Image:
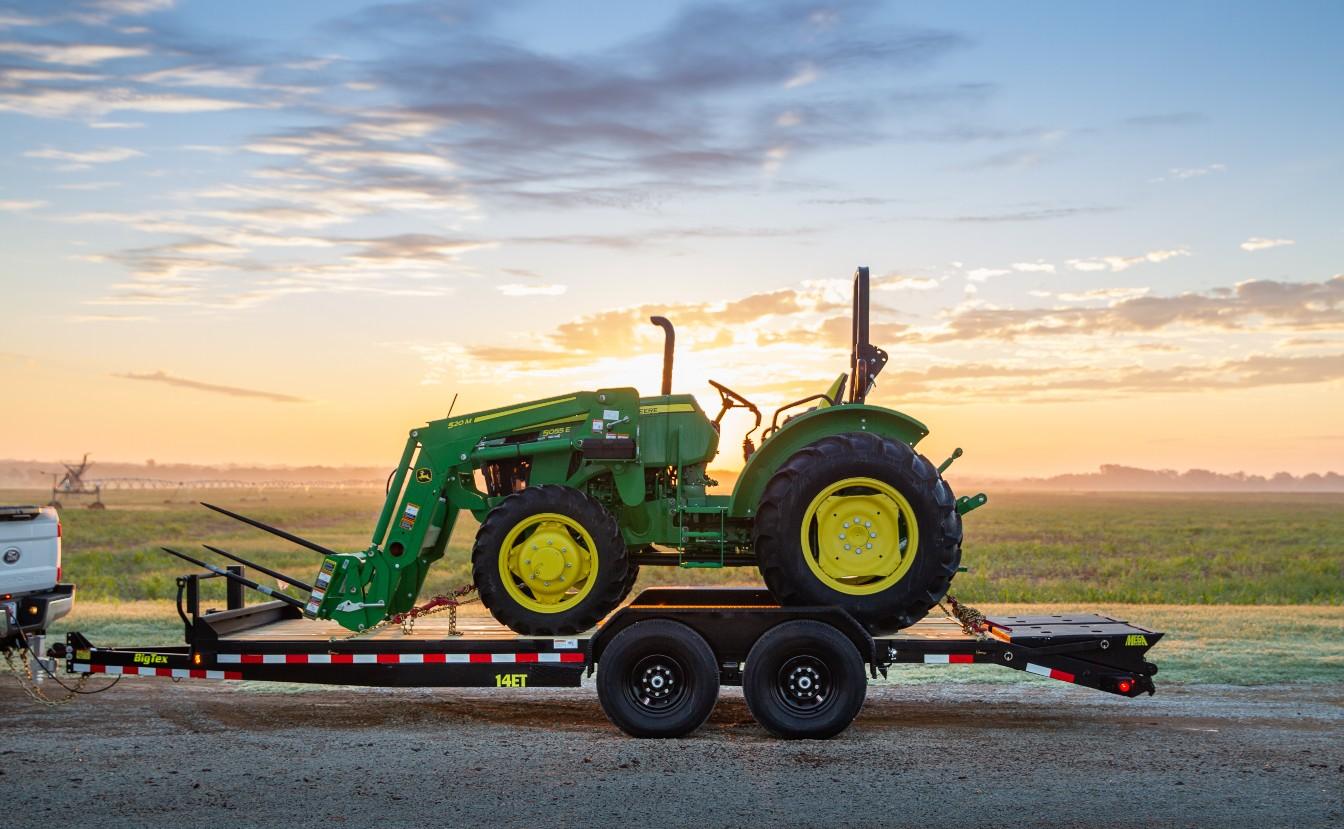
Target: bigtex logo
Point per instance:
(150, 659)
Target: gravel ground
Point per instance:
(1037, 753)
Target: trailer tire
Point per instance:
(569, 516)
(890, 474)
(804, 680)
(658, 678)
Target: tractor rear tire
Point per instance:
(607, 562)
(791, 495)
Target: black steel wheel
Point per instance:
(804, 680)
(657, 678)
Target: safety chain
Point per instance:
(449, 602)
(29, 684)
(971, 620)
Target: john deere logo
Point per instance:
(424, 475)
(12, 555)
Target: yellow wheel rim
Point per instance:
(548, 562)
(859, 536)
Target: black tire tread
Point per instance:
(943, 539)
(605, 596)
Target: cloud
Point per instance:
(1260, 243)
(1104, 294)
(103, 155)
(806, 75)
(901, 282)
(93, 101)
(1030, 383)
(983, 274)
(1029, 215)
(1122, 263)
(522, 289)
(232, 391)
(71, 54)
(1266, 303)
(1182, 173)
(1033, 267)
(20, 206)
(625, 330)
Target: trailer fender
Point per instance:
(808, 428)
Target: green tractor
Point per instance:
(575, 493)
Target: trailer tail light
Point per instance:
(1125, 686)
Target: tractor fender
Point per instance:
(808, 428)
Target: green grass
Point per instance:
(1142, 549)
(1156, 548)
(1248, 588)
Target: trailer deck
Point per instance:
(712, 631)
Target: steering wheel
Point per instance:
(732, 399)
(728, 394)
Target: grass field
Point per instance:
(1134, 549)
(1250, 588)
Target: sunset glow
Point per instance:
(287, 233)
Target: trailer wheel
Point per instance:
(658, 678)
(804, 680)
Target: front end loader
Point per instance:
(575, 492)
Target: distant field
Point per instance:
(1279, 549)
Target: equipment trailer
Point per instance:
(662, 657)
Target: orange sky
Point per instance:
(289, 234)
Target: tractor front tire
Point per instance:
(861, 522)
(550, 560)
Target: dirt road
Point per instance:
(149, 753)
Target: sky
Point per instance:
(286, 233)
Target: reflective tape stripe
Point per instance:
(521, 658)
(133, 670)
(949, 658)
(1052, 673)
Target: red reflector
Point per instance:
(1126, 686)
(58, 529)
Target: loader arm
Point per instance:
(435, 480)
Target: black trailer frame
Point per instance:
(1084, 649)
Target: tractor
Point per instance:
(575, 493)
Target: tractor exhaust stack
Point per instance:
(302, 542)
(669, 346)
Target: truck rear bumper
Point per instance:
(34, 612)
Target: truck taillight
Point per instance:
(58, 529)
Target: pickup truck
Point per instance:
(31, 593)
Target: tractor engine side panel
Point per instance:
(674, 431)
